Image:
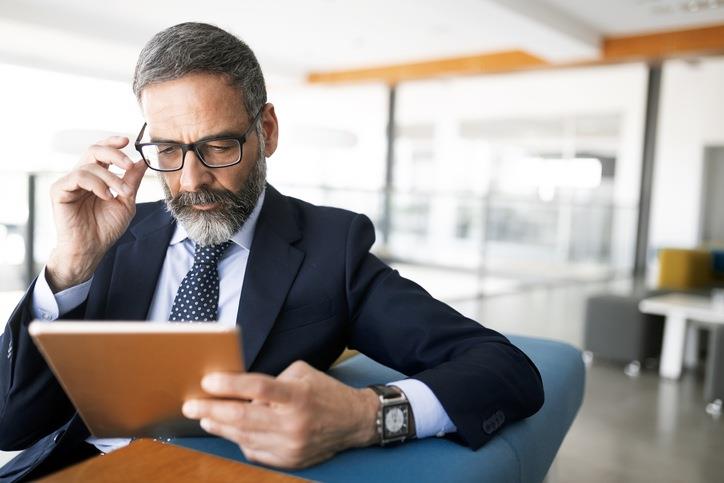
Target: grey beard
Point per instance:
(218, 225)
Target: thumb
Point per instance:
(134, 175)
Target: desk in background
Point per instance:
(680, 338)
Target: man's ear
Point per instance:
(270, 127)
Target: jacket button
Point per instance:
(494, 422)
(500, 418)
(58, 435)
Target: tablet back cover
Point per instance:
(127, 383)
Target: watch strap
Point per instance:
(387, 392)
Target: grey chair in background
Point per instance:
(616, 330)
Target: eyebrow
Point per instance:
(223, 134)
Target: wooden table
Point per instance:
(151, 460)
(680, 338)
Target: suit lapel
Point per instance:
(137, 266)
(270, 271)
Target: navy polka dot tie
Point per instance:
(197, 299)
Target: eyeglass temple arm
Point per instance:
(140, 134)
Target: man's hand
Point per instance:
(88, 219)
(298, 419)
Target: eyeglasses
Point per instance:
(215, 152)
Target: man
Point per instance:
(297, 278)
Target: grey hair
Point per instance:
(199, 47)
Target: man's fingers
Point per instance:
(248, 386)
(243, 415)
(113, 181)
(224, 430)
(106, 156)
(66, 188)
(267, 448)
(264, 457)
(246, 439)
(294, 459)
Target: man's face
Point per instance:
(209, 203)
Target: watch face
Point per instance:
(395, 421)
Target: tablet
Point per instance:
(130, 379)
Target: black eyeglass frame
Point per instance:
(185, 148)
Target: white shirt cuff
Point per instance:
(108, 445)
(431, 419)
(49, 306)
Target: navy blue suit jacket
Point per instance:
(311, 289)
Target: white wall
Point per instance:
(691, 117)
(540, 95)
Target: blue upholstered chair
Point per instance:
(522, 452)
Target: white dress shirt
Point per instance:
(430, 417)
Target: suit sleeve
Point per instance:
(479, 377)
(32, 402)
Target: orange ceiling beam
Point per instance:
(632, 48)
(497, 62)
(663, 45)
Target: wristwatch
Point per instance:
(394, 418)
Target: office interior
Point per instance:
(519, 159)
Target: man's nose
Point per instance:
(194, 174)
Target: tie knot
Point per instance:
(210, 254)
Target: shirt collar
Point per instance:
(243, 237)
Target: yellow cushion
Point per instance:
(345, 355)
(684, 269)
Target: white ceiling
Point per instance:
(292, 37)
(620, 17)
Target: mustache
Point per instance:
(204, 196)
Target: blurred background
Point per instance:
(518, 158)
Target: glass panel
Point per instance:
(520, 176)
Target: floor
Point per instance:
(640, 429)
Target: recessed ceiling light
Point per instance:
(692, 6)
(661, 9)
(665, 7)
(699, 5)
